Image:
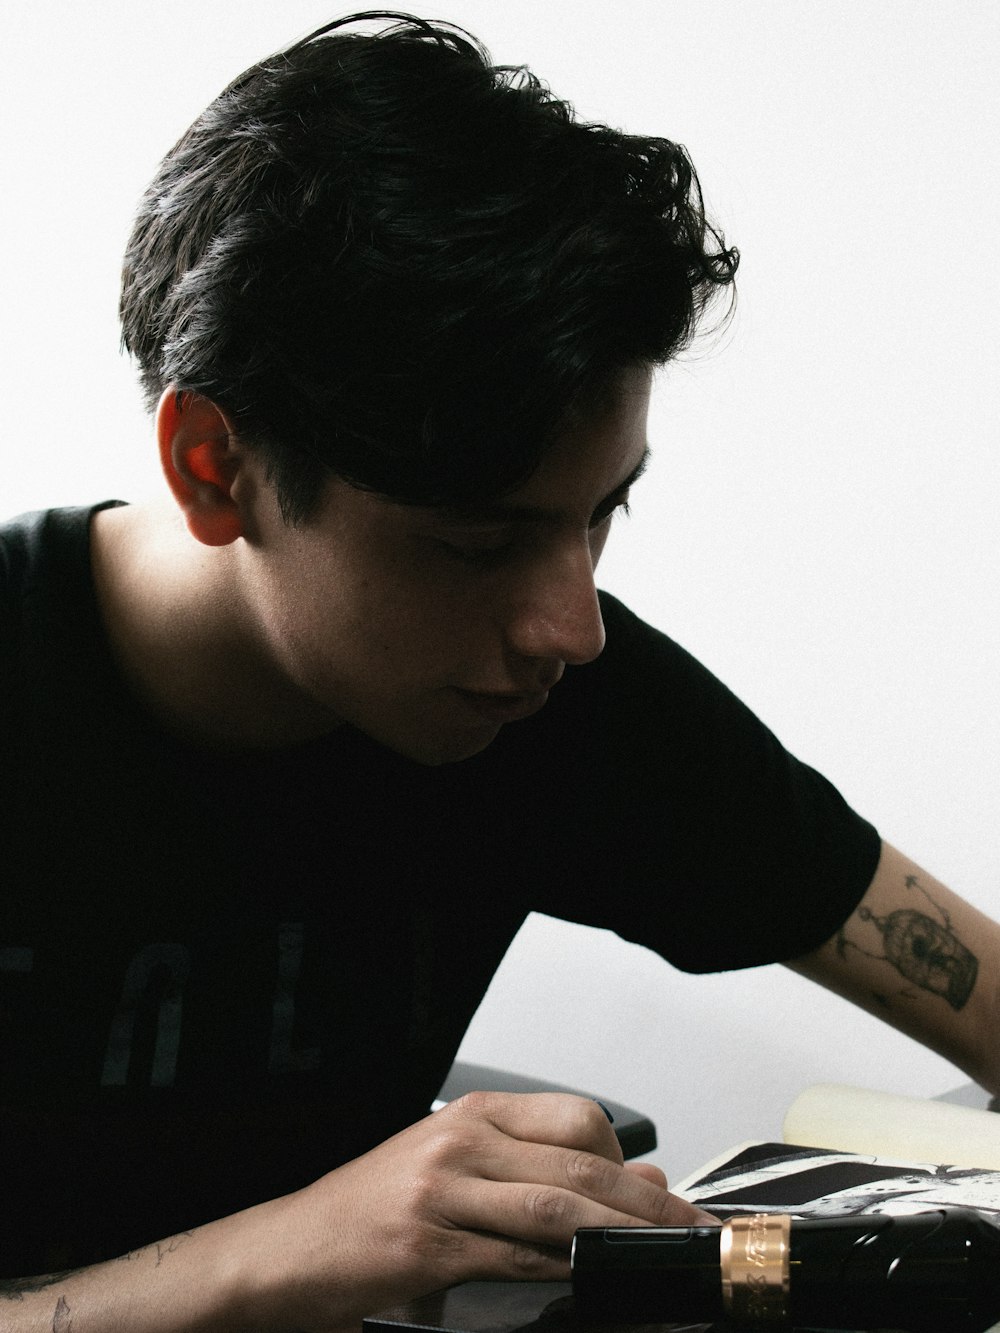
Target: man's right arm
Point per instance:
(491, 1187)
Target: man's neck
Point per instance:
(179, 631)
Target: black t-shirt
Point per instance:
(222, 975)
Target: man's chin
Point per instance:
(452, 751)
(444, 748)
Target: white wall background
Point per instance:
(820, 524)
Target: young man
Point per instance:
(289, 762)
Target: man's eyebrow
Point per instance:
(507, 511)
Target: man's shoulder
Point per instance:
(629, 637)
(20, 538)
(34, 542)
(642, 668)
(46, 587)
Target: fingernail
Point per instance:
(605, 1110)
(707, 1219)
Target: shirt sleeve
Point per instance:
(688, 827)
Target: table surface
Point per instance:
(513, 1307)
(502, 1307)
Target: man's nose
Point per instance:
(558, 617)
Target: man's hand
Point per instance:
(493, 1186)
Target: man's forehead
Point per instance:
(598, 455)
(594, 460)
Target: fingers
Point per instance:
(544, 1117)
(566, 1141)
(654, 1174)
(550, 1214)
(632, 1195)
(532, 1226)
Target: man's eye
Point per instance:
(607, 512)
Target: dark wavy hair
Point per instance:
(390, 260)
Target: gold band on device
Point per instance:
(754, 1259)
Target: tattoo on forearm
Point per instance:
(161, 1248)
(16, 1288)
(925, 952)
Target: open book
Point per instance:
(848, 1150)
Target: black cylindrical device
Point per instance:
(922, 1272)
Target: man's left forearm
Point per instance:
(918, 956)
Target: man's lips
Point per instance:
(503, 707)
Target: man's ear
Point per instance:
(201, 458)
